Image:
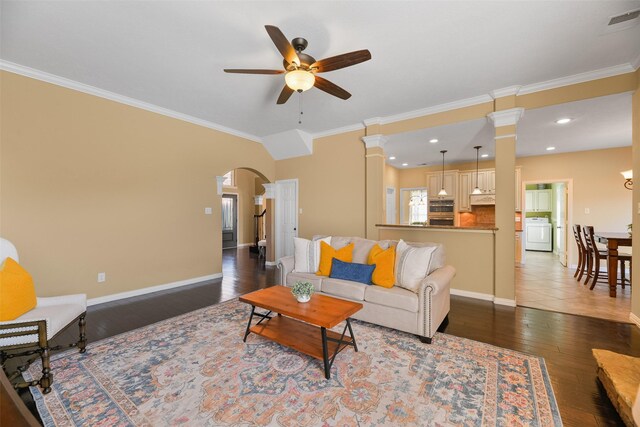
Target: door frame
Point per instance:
(568, 219)
(236, 214)
(278, 215)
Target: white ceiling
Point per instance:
(171, 53)
(596, 123)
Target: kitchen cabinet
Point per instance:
(434, 184)
(466, 182)
(538, 200)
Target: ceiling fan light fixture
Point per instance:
(300, 80)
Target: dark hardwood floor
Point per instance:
(565, 341)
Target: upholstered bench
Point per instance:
(620, 376)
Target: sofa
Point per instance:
(421, 313)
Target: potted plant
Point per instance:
(302, 291)
(629, 228)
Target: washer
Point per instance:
(539, 234)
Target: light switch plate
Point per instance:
(208, 211)
(587, 211)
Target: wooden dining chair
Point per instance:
(582, 253)
(623, 258)
(594, 258)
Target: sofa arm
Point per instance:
(434, 300)
(285, 265)
(439, 280)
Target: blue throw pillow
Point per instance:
(352, 271)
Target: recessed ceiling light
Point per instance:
(563, 121)
(484, 155)
(551, 148)
(433, 141)
(405, 164)
(392, 158)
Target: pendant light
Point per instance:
(477, 190)
(442, 192)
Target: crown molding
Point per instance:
(269, 190)
(372, 121)
(602, 73)
(636, 63)
(112, 96)
(374, 141)
(507, 91)
(506, 117)
(436, 109)
(336, 131)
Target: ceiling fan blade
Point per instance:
(283, 45)
(331, 88)
(284, 95)
(249, 71)
(341, 61)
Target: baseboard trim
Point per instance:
(635, 319)
(244, 245)
(504, 301)
(270, 263)
(151, 289)
(470, 294)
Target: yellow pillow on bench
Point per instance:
(327, 254)
(17, 293)
(385, 260)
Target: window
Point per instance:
(228, 179)
(413, 205)
(227, 213)
(418, 206)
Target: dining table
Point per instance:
(613, 241)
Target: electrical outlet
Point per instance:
(102, 277)
(208, 211)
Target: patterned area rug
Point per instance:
(195, 370)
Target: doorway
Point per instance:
(229, 221)
(546, 219)
(391, 205)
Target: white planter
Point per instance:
(303, 298)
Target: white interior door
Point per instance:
(286, 216)
(561, 221)
(391, 205)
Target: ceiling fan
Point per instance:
(300, 69)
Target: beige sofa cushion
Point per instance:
(362, 247)
(395, 297)
(344, 289)
(312, 278)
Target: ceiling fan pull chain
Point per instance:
(300, 106)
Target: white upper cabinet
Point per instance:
(434, 184)
(466, 183)
(538, 200)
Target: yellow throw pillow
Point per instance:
(17, 294)
(385, 260)
(327, 254)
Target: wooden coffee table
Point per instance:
(302, 326)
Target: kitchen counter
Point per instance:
(438, 227)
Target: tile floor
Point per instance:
(545, 284)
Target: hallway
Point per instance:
(545, 284)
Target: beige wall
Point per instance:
(470, 252)
(90, 185)
(597, 186)
(331, 186)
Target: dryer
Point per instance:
(539, 234)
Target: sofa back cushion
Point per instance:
(362, 249)
(438, 259)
